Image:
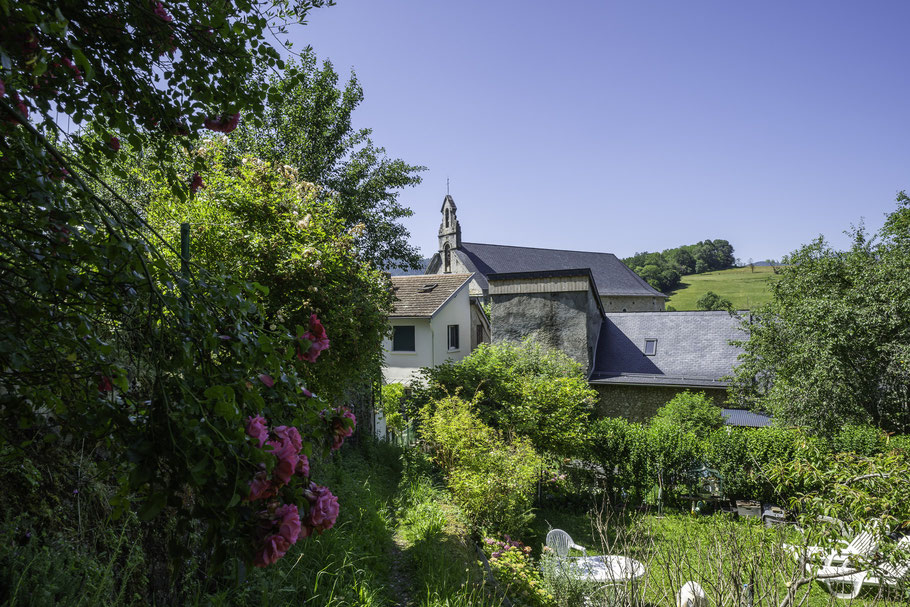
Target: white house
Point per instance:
(433, 320)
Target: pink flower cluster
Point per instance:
(196, 183)
(278, 533)
(222, 124)
(281, 525)
(285, 445)
(498, 547)
(318, 339)
(342, 421)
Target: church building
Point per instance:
(619, 288)
(597, 310)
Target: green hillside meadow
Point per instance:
(747, 289)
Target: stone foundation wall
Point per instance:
(640, 403)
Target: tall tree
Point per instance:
(833, 345)
(308, 125)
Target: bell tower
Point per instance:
(449, 234)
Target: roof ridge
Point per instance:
(515, 246)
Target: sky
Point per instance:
(637, 125)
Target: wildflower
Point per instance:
(222, 124)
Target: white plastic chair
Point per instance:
(862, 544)
(607, 569)
(886, 574)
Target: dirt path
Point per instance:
(399, 574)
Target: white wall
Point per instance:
(456, 311)
(401, 367)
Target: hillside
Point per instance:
(745, 288)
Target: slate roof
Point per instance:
(611, 275)
(746, 419)
(693, 349)
(414, 297)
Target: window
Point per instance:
(447, 254)
(453, 337)
(650, 347)
(403, 339)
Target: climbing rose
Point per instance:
(267, 380)
(318, 339)
(340, 429)
(303, 466)
(255, 427)
(161, 13)
(288, 519)
(276, 545)
(291, 434)
(261, 487)
(324, 508)
(222, 124)
(114, 144)
(196, 183)
(287, 459)
(105, 384)
(2, 89)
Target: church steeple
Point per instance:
(449, 233)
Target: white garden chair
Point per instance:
(854, 578)
(606, 569)
(864, 543)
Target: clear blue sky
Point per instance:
(635, 125)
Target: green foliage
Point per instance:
(521, 390)
(713, 301)
(744, 288)
(833, 346)
(308, 125)
(691, 412)
(394, 398)
(492, 480)
(516, 572)
(663, 270)
(261, 223)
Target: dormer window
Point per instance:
(650, 347)
(428, 287)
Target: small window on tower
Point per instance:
(650, 347)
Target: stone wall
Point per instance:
(640, 403)
(555, 320)
(616, 303)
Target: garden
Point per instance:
(193, 239)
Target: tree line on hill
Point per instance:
(664, 270)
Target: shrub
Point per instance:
(691, 412)
(516, 571)
(519, 389)
(492, 480)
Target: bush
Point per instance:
(519, 389)
(515, 570)
(492, 480)
(691, 412)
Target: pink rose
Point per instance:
(291, 434)
(261, 487)
(303, 466)
(318, 339)
(161, 13)
(324, 509)
(267, 380)
(288, 519)
(272, 549)
(255, 427)
(222, 124)
(287, 459)
(196, 183)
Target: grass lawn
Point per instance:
(745, 288)
(718, 552)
